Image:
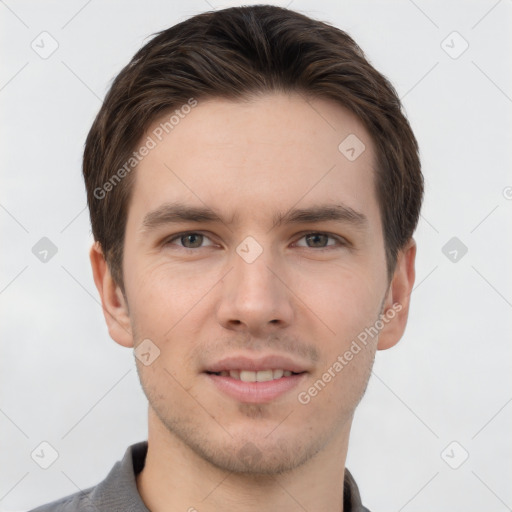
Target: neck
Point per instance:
(175, 478)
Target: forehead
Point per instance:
(253, 159)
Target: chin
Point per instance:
(251, 457)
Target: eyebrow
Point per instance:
(169, 213)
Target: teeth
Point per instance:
(264, 375)
(278, 374)
(247, 376)
(260, 376)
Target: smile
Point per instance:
(259, 376)
(255, 386)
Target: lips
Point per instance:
(251, 364)
(259, 376)
(256, 380)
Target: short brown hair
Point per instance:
(235, 53)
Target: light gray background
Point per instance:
(64, 381)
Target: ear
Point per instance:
(396, 304)
(115, 308)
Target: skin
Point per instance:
(248, 161)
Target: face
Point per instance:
(254, 244)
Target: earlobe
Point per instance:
(115, 308)
(396, 307)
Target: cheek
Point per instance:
(331, 395)
(344, 298)
(163, 295)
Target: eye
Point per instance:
(320, 241)
(314, 240)
(189, 240)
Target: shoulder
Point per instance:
(79, 501)
(117, 491)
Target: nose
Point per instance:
(255, 297)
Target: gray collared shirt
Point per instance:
(118, 492)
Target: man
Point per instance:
(253, 189)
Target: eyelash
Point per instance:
(341, 242)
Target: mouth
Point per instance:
(256, 376)
(249, 379)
